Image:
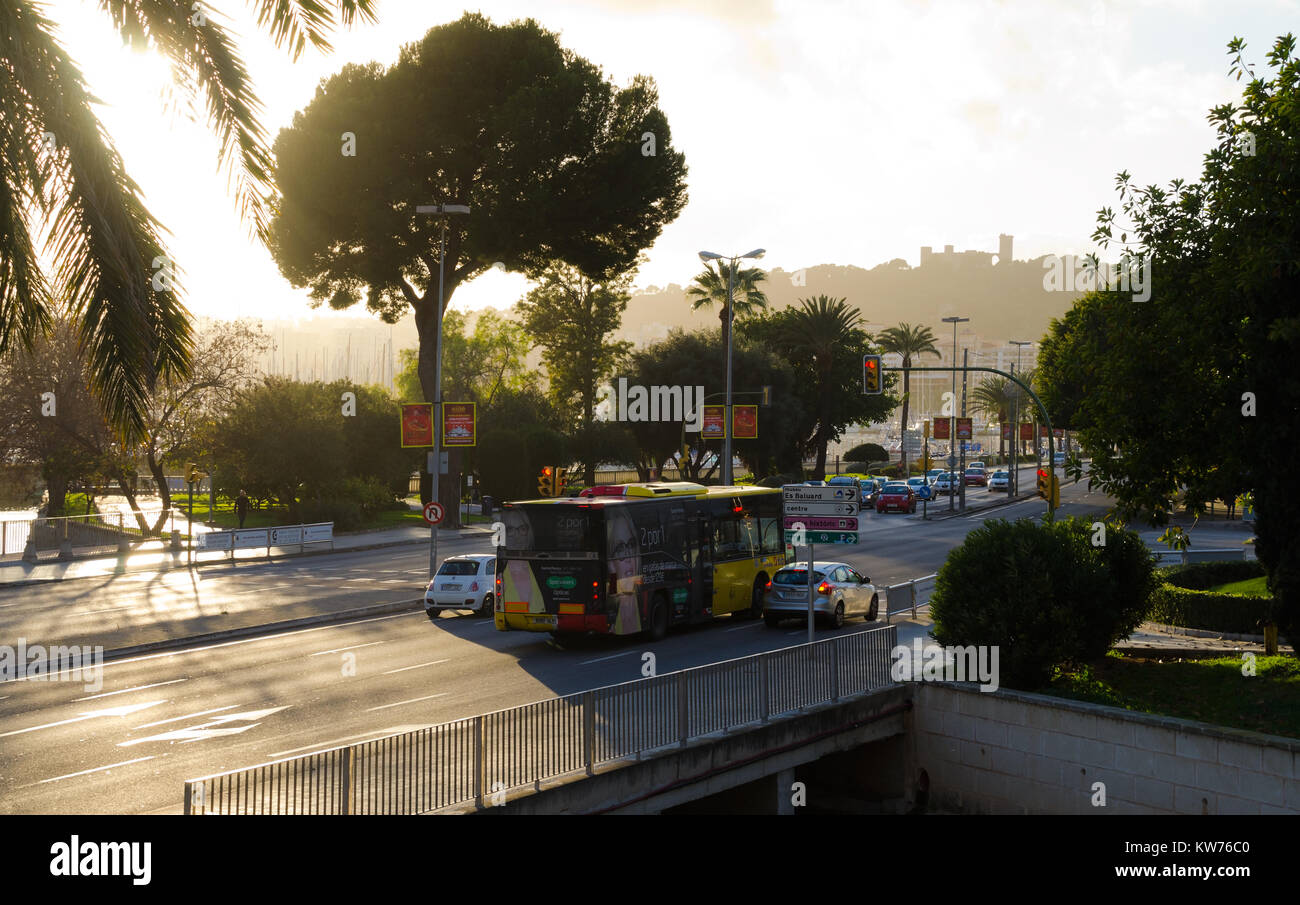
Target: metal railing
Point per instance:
(66, 536)
(479, 759)
(910, 595)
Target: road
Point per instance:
(160, 719)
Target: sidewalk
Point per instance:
(14, 574)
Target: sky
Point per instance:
(825, 131)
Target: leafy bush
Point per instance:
(345, 514)
(779, 480)
(867, 452)
(1202, 575)
(1041, 593)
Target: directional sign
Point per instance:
(433, 512)
(831, 493)
(819, 508)
(815, 523)
(825, 537)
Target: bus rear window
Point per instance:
(549, 529)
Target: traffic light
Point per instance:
(871, 375)
(561, 481)
(546, 481)
(1043, 483)
(192, 473)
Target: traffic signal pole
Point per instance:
(1051, 440)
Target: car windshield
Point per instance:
(458, 567)
(796, 576)
(895, 488)
(974, 471)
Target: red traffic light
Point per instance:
(870, 364)
(547, 471)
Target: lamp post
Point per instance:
(435, 462)
(707, 256)
(1015, 439)
(952, 436)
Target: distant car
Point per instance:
(1000, 480)
(1059, 458)
(840, 590)
(814, 483)
(947, 482)
(870, 490)
(979, 465)
(933, 474)
(975, 477)
(462, 582)
(896, 496)
(921, 487)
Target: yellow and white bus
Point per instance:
(628, 558)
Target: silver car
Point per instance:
(463, 582)
(1000, 480)
(840, 591)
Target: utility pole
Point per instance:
(961, 470)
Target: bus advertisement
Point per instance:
(628, 558)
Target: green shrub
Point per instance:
(1210, 611)
(1041, 593)
(779, 480)
(345, 514)
(1202, 575)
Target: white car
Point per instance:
(1000, 480)
(462, 582)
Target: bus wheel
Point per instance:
(756, 598)
(658, 618)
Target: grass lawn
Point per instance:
(1210, 690)
(268, 518)
(1254, 587)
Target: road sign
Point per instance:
(801, 493)
(822, 523)
(825, 537)
(820, 508)
(433, 512)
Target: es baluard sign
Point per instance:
(459, 424)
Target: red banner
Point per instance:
(417, 424)
(458, 424)
(941, 428)
(744, 422)
(715, 422)
(1027, 431)
(964, 428)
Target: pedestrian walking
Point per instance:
(241, 507)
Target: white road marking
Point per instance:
(441, 694)
(109, 694)
(741, 628)
(339, 649)
(416, 666)
(188, 716)
(610, 657)
(204, 731)
(112, 711)
(98, 769)
(363, 579)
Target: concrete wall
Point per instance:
(1011, 752)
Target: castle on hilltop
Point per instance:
(969, 258)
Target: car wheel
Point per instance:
(432, 614)
(771, 620)
(485, 608)
(874, 611)
(837, 618)
(658, 618)
(756, 599)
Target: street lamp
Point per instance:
(952, 437)
(1015, 431)
(707, 256)
(435, 461)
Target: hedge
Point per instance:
(1182, 599)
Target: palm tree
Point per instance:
(820, 330)
(711, 286)
(994, 397)
(906, 340)
(58, 166)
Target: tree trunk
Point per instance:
(57, 485)
(164, 491)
